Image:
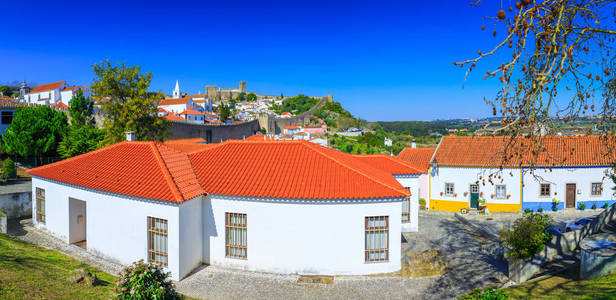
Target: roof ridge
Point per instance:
(167, 174)
(402, 162)
(312, 145)
(192, 168)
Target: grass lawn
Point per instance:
(566, 286)
(28, 271)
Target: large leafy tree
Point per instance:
(251, 97)
(82, 135)
(35, 131)
(130, 106)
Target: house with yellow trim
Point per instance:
(514, 174)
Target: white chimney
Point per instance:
(413, 144)
(130, 136)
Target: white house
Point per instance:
(46, 94)
(272, 206)
(193, 115)
(408, 177)
(565, 172)
(176, 105)
(67, 93)
(291, 130)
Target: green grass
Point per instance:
(28, 271)
(566, 286)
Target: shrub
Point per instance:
(605, 205)
(540, 209)
(8, 169)
(528, 210)
(145, 281)
(528, 235)
(582, 206)
(422, 201)
(594, 206)
(487, 293)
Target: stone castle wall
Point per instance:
(213, 133)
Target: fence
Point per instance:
(33, 162)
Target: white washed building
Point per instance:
(274, 206)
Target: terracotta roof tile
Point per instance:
(8, 102)
(174, 101)
(62, 105)
(46, 87)
(389, 164)
(417, 157)
(488, 151)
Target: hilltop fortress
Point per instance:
(217, 94)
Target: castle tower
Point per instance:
(177, 93)
(242, 86)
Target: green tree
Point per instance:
(241, 96)
(80, 140)
(225, 111)
(251, 97)
(130, 106)
(8, 169)
(5, 90)
(81, 110)
(35, 131)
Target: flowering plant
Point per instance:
(145, 281)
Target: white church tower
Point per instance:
(177, 93)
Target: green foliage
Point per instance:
(582, 206)
(415, 128)
(422, 201)
(298, 104)
(225, 112)
(335, 116)
(35, 131)
(528, 235)
(605, 205)
(487, 293)
(241, 96)
(81, 110)
(8, 169)
(594, 206)
(251, 97)
(145, 281)
(6, 90)
(540, 209)
(131, 106)
(80, 140)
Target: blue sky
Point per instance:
(384, 60)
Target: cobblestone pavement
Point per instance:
(496, 221)
(470, 259)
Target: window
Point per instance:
(406, 208)
(157, 241)
(596, 188)
(545, 189)
(6, 117)
(377, 239)
(449, 189)
(235, 231)
(40, 205)
(501, 192)
(474, 189)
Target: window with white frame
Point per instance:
(377, 239)
(596, 188)
(501, 191)
(449, 189)
(544, 189)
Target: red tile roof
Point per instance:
(272, 169)
(8, 102)
(417, 157)
(62, 105)
(161, 109)
(389, 164)
(291, 127)
(141, 169)
(83, 88)
(171, 117)
(46, 87)
(488, 151)
(174, 101)
(190, 112)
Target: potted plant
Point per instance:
(482, 204)
(455, 194)
(582, 206)
(594, 206)
(605, 205)
(422, 203)
(441, 193)
(465, 193)
(492, 196)
(508, 196)
(481, 194)
(555, 204)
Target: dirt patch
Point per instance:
(423, 264)
(315, 279)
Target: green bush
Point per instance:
(8, 169)
(145, 281)
(487, 293)
(605, 205)
(540, 209)
(528, 235)
(594, 206)
(422, 201)
(582, 206)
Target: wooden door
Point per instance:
(570, 197)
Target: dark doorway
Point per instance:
(570, 197)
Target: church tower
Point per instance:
(177, 93)
(23, 90)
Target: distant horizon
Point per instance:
(382, 61)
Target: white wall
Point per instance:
(462, 178)
(191, 235)
(559, 177)
(301, 238)
(411, 182)
(116, 225)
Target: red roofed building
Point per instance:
(176, 105)
(514, 174)
(46, 94)
(419, 158)
(254, 205)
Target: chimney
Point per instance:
(130, 136)
(413, 144)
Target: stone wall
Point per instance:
(276, 125)
(16, 205)
(213, 133)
